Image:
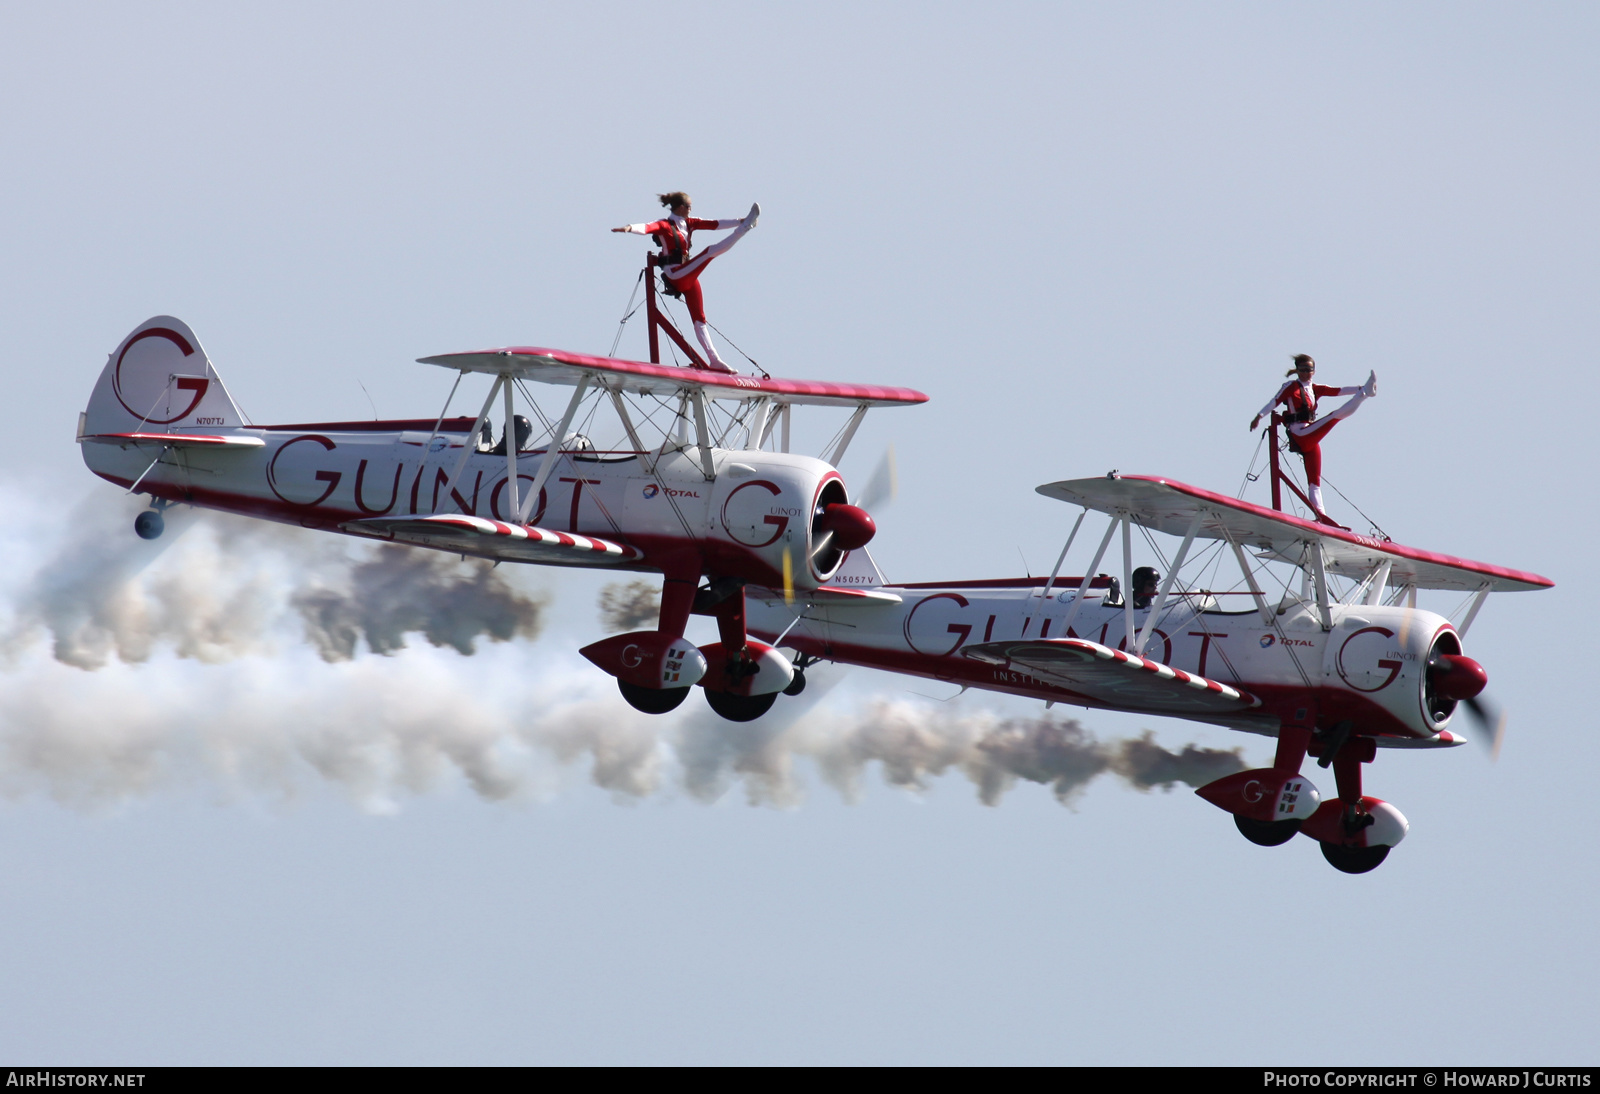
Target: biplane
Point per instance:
(696, 481)
(1317, 642)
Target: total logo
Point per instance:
(651, 490)
(1267, 640)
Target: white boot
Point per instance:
(754, 215)
(1370, 388)
(1316, 500)
(712, 358)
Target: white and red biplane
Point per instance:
(1333, 673)
(713, 501)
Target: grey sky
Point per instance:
(1094, 234)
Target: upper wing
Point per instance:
(496, 539)
(1117, 679)
(1171, 507)
(554, 366)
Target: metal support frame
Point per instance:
(757, 430)
(787, 407)
(1472, 613)
(509, 439)
(1279, 478)
(428, 447)
(849, 435)
(657, 321)
(702, 433)
(1127, 581)
(1062, 557)
(1088, 577)
(1320, 573)
(1380, 581)
(472, 440)
(1166, 586)
(552, 453)
(1267, 618)
(621, 406)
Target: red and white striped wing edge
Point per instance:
(481, 526)
(1201, 683)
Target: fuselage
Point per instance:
(754, 509)
(1370, 667)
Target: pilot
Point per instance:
(1146, 584)
(1299, 397)
(681, 273)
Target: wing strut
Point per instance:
(627, 425)
(1472, 613)
(757, 430)
(1166, 586)
(702, 433)
(1319, 570)
(1127, 581)
(849, 435)
(510, 439)
(1250, 580)
(1380, 581)
(551, 453)
(1088, 576)
(1062, 557)
(477, 431)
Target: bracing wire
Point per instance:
(757, 365)
(1250, 473)
(628, 311)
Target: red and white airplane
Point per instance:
(698, 484)
(1317, 641)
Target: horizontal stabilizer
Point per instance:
(555, 366)
(496, 539)
(174, 440)
(1171, 507)
(1115, 678)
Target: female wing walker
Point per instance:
(1299, 398)
(681, 271)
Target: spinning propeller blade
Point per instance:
(1491, 719)
(882, 487)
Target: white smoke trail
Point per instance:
(253, 660)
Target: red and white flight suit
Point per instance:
(674, 235)
(1306, 430)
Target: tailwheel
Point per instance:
(149, 524)
(1267, 833)
(652, 700)
(1354, 860)
(740, 708)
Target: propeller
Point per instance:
(852, 526)
(1457, 677)
(1491, 719)
(882, 487)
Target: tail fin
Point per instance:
(157, 380)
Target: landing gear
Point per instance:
(149, 524)
(798, 684)
(652, 700)
(740, 708)
(1266, 833)
(1354, 860)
